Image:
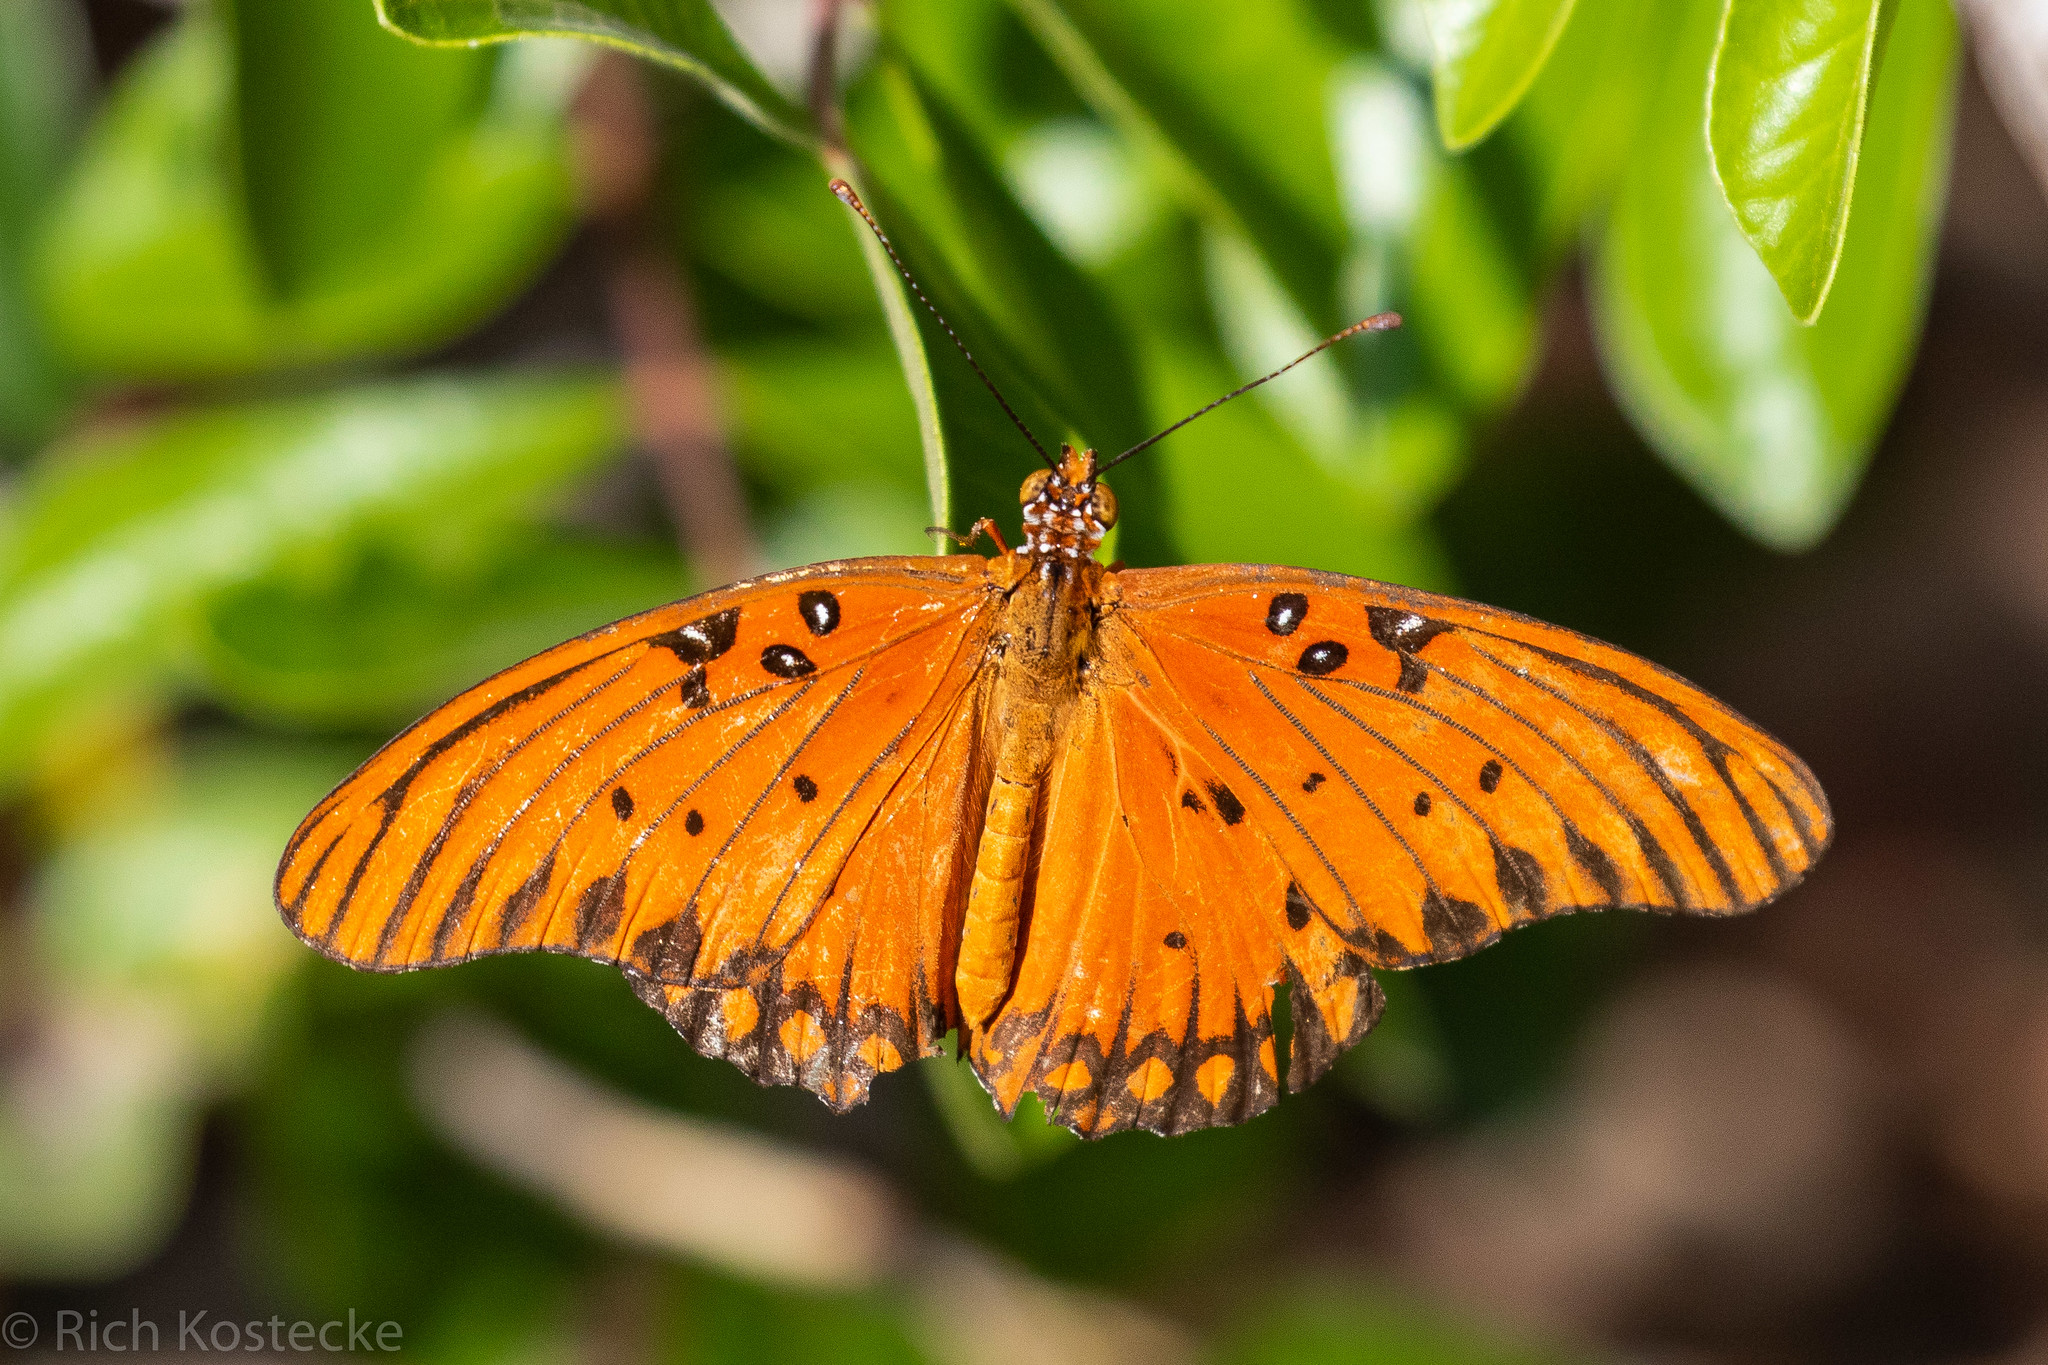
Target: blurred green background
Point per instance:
(337, 370)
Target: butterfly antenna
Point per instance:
(1378, 322)
(852, 201)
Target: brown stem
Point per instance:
(670, 379)
(824, 74)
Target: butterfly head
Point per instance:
(1066, 512)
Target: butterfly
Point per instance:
(1086, 817)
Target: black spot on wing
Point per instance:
(1190, 801)
(622, 803)
(1312, 781)
(1285, 612)
(701, 640)
(1227, 804)
(1422, 803)
(1298, 907)
(692, 691)
(806, 789)
(1405, 633)
(1322, 658)
(694, 822)
(1489, 776)
(820, 610)
(787, 661)
(1175, 939)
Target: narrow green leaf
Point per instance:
(115, 542)
(1772, 421)
(45, 71)
(906, 332)
(1488, 54)
(1786, 95)
(684, 35)
(337, 124)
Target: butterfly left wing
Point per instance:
(678, 794)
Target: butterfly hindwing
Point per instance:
(826, 1011)
(676, 793)
(1159, 926)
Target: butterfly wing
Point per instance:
(1297, 776)
(678, 794)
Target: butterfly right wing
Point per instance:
(677, 793)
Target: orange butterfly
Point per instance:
(1088, 816)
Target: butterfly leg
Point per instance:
(986, 526)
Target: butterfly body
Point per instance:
(1088, 818)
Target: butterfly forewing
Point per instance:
(1433, 772)
(675, 792)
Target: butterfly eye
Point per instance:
(1034, 484)
(1103, 505)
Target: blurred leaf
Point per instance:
(1233, 95)
(1786, 94)
(684, 35)
(114, 543)
(1345, 1325)
(337, 122)
(844, 521)
(394, 637)
(156, 948)
(1401, 1068)
(147, 268)
(166, 898)
(773, 394)
(45, 69)
(774, 229)
(1293, 512)
(1488, 53)
(1036, 323)
(1772, 421)
(97, 1158)
(1578, 122)
(997, 1148)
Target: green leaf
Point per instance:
(45, 71)
(1035, 322)
(380, 645)
(1233, 96)
(1773, 422)
(116, 542)
(1786, 95)
(1577, 125)
(684, 35)
(147, 269)
(337, 124)
(1340, 1324)
(1488, 54)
